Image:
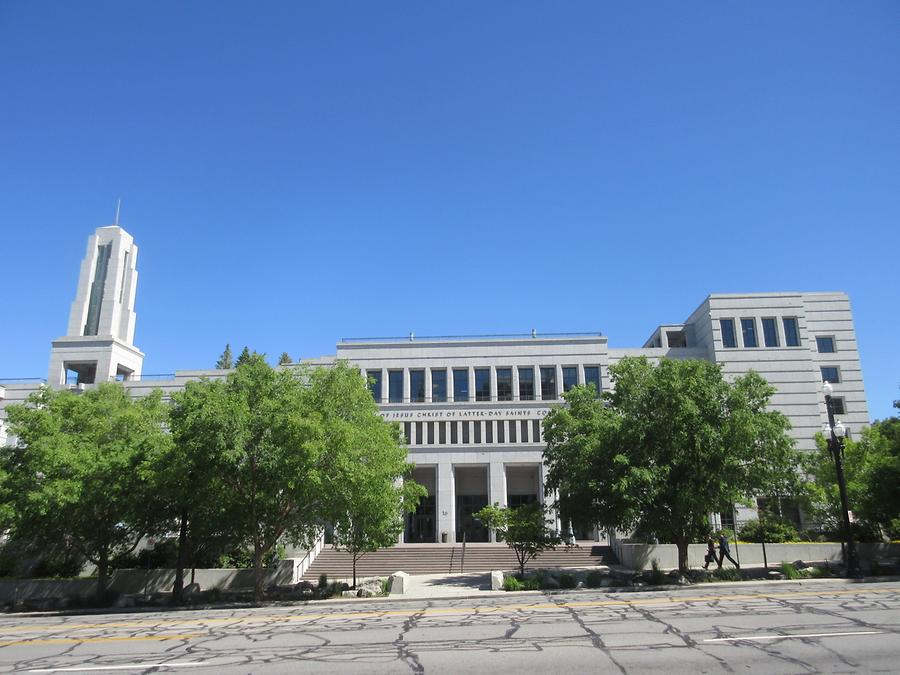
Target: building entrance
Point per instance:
(421, 526)
(471, 497)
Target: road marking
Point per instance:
(782, 637)
(131, 666)
(486, 609)
(78, 641)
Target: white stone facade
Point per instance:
(472, 408)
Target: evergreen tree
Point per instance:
(243, 358)
(284, 359)
(225, 362)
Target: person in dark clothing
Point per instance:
(710, 556)
(725, 551)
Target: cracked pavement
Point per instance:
(774, 628)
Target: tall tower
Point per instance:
(98, 344)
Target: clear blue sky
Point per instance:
(298, 172)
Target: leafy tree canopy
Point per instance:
(669, 445)
(284, 359)
(525, 529)
(78, 472)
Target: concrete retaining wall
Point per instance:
(640, 556)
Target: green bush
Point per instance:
(769, 531)
(533, 584)
(726, 574)
(789, 571)
(594, 579)
(567, 581)
(511, 584)
(386, 586)
(657, 576)
(323, 581)
(819, 573)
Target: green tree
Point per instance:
(284, 359)
(525, 530)
(78, 474)
(666, 447)
(872, 474)
(225, 362)
(256, 431)
(244, 356)
(369, 486)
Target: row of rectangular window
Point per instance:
(482, 382)
(473, 432)
(770, 334)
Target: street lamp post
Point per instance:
(835, 434)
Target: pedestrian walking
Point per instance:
(710, 556)
(725, 551)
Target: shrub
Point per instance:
(657, 576)
(323, 581)
(594, 579)
(567, 581)
(727, 574)
(386, 586)
(819, 573)
(770, 531)
(789, 571)
(511, 584)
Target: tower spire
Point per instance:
(118, 208)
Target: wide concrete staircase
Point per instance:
(436, 559)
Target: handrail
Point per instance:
(462, 562)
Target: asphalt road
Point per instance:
(785, 628)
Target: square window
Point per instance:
(837, 406)
(748, 333)
(770, 332)
(791, 331)
(729, 341)
(831, 374)
(825, 344)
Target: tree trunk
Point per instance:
(102, 573)
(354, 570)
(257, 572)
(682, 544)
(178, 586)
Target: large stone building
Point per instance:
(472, 407)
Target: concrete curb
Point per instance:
(482, 595)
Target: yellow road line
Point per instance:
(444, 611)
(78, 641)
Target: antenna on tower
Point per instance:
(118, 207)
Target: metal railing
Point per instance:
(412, 337)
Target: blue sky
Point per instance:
(295, 173)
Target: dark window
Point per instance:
(825, 345)
(420, 433)
(570, 377)
(536, 430)
(417, 386)
(438, 385)
(837, 406)
(548, 383)
(461, 385)
(501, 431)
(526, 383)
(477, 432)
(395, 386)
(770, 332)
(374, 378)
(592, 376)
(512, 431)
(431, 438)
(504, 384)
(830, 374)
(407, 431)
(748, 332)
(442, 433)
(465, 433)
(454, 433)
(523, 430)
(791, 332)
(729, 341)
(482, 384)
(488, 432)
(676, 339)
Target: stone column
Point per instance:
(496, 487)
(446, 502)
(515, 383)
(407, 394)
(493, 378)
(428, 385)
